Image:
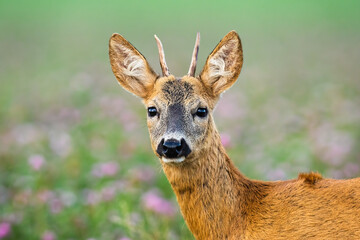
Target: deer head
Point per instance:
(179, 109)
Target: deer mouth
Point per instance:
(173, 160)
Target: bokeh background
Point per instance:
(75, 158)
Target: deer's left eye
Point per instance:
(201, 112)
(152, 111)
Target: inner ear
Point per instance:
(220, 63)
(130, 67)
(223, 65)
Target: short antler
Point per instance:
(163, 65)
(194, 56)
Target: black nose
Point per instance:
(173, 148)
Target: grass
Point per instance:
(75, 158)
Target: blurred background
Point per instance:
(75, 156)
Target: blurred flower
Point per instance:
(275, 174)
(127, 149)
(132, 220)
(61, 116)
(230, 106)
(5, 229)
(154, 202)
(13, 218)
(22, 198)
(60, 143)
(91, 197)
(44, 196)
(22, 181)
(112, 107)
(56, 205)
(123, 185)
(331, 145)
(225, 140)
(118, 108)
(351, 170)
(105, 169)
(36, 161)
(108, 193)
(67, 198)
(25, 134)
(335, 153)
(124, 238)
(48, 235)
(143, 173)
(334, 173)
(129, 121)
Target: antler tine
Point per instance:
(163, 65)
(194, 56)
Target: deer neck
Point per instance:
(209, 190)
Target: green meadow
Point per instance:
(75, 156)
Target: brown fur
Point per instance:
(216, 200)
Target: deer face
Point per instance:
(179, 115)
(179, 110)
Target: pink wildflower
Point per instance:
(36, 162)
(105, 169)
(44, 196)
(48, 235)
(92, 197)
(154, 202)
(108, 193)
(332, 146)
(56, 206)
(229, 108)
(5, 229)
(276, 174)
(143, 174)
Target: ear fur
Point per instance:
(130, 67)
(223, 65)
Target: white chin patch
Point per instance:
(173, 160)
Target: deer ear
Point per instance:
(223, 65)
(130, 68)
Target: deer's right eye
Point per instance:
(202, 112)
(152, 111)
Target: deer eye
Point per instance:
(152, 111)
(201, 112)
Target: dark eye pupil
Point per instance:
(152, 112)
(201, 112)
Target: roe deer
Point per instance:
(216, 200)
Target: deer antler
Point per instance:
(194, 56)
(163, 65)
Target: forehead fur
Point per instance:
(176, 90)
